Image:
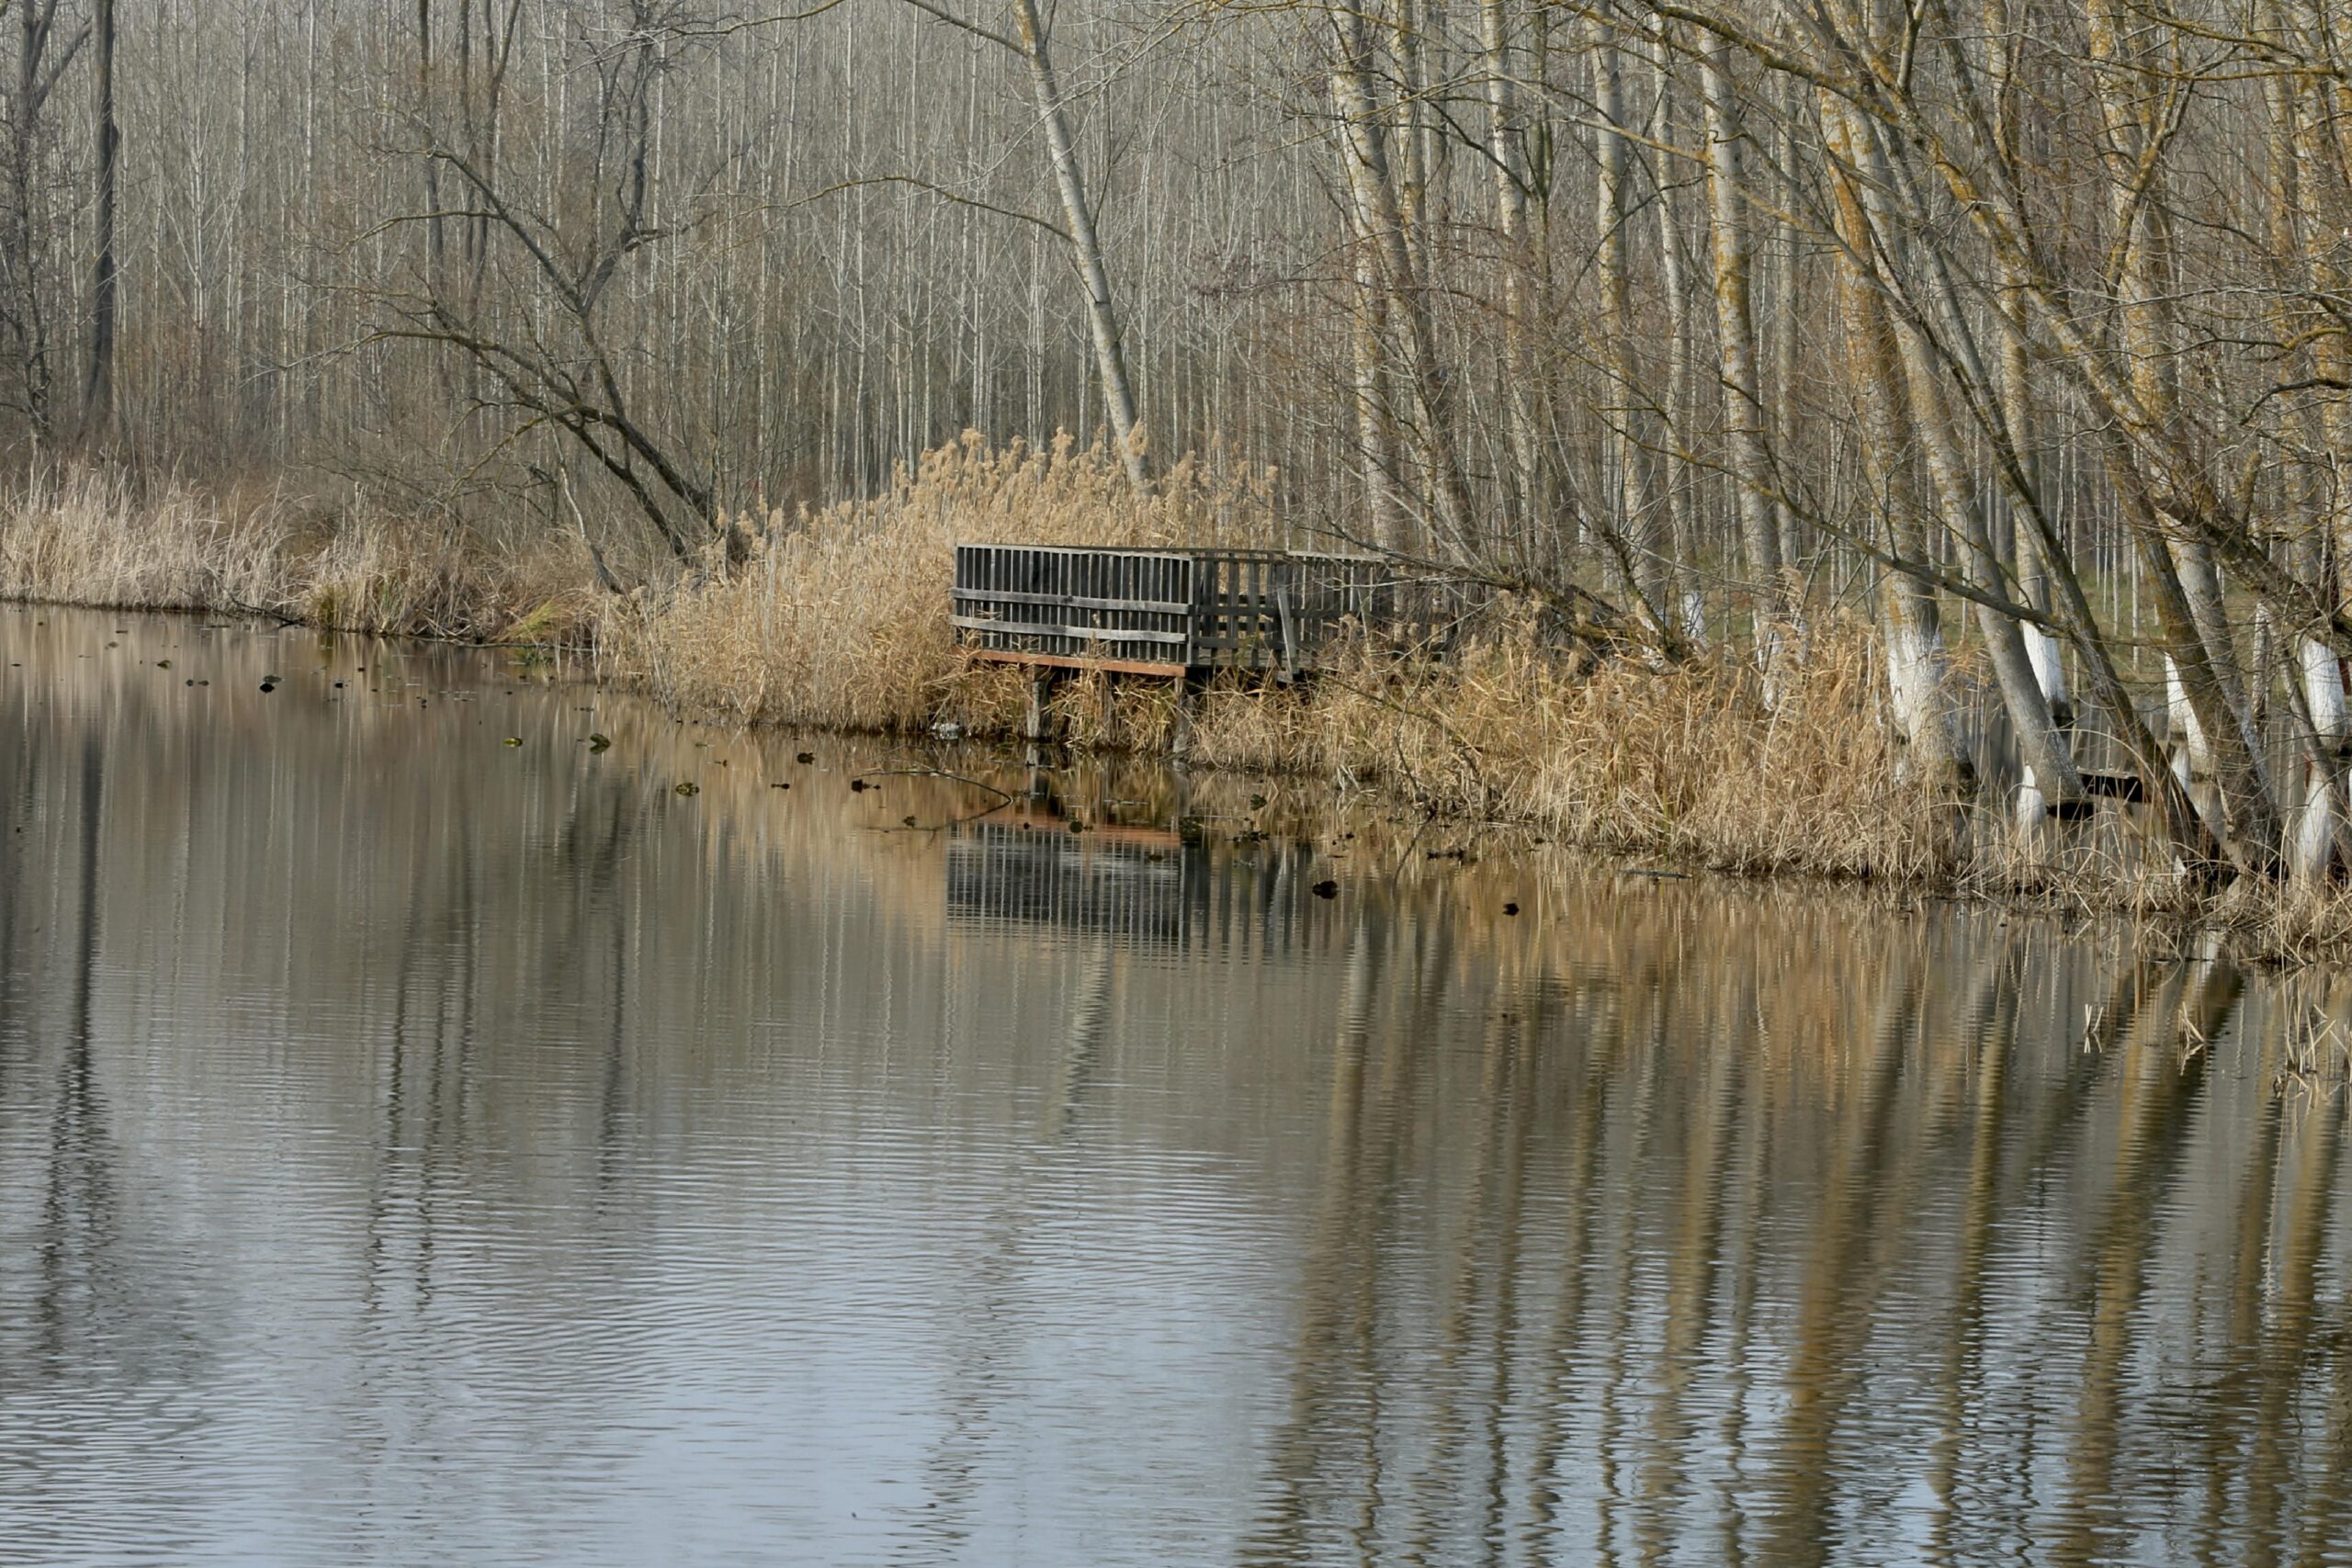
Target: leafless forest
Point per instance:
(2018, 332)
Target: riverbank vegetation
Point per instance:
(1839, 415)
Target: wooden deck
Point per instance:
(1170, 612)
(1131, 892)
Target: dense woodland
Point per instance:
(2019, 328)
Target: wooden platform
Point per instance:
(1172, 612)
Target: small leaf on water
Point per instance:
(690, 788)
(1326, 889)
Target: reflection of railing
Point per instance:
(1176, 897)
(1164, 611)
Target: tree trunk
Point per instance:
(1750, 448)
(1086, 246)
(1506, 147)
(1629, 439)
(1388, 523)
(1681, 360)
(1910, 619)
(98, 397)
(2042, 745)
(1373, 194)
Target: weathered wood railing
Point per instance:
(1170, 612)
(1131, 891)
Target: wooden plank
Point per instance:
(1055, 628)
(1072, 602)
(1064, 661)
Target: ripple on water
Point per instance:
(408, 1157)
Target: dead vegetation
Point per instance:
(833, 618)
(84, 537)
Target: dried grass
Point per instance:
(89, 538)
(835, 621)
(837, 616)
(1689, 765)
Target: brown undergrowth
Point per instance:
(91, 539)
(836, 620)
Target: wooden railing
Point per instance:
(1167, 612)
(1131, 893)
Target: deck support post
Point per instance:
(1179, 735)
(1037, 726)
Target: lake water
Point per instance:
(428, 1136)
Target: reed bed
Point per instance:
(834, 619)
(92, 538)
(838, 617)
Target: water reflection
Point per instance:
(414, 1147)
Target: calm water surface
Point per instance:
(418, 1148)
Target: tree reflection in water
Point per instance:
(414, 1146)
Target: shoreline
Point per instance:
(837, 620)
(2286, 930)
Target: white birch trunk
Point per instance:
(1086, 246)
(1749, 447)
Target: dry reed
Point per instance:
(837, 617)
(90, 538)
(835, 620)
